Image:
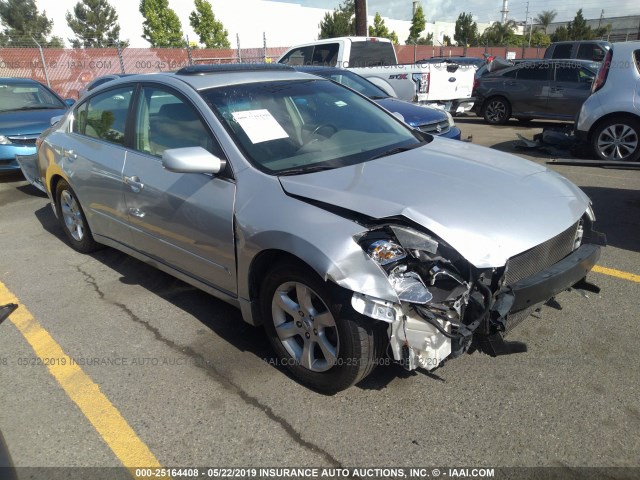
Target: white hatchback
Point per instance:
(609, 119)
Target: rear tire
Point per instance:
(617, 139)
(314, 331)
(72, 219)
(496, 111)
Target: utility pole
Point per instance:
(361, 18)
(601, 17)
(526, 19)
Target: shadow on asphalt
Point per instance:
(218, 316)
(617, 215)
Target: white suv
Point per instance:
(610, 118)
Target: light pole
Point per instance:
(530, 30)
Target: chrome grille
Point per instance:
(23, 139)
(432, 128)
(544, 255)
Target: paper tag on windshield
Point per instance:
(259, 125)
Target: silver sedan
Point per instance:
(347, 234)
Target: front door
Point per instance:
(184, 220)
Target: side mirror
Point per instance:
(69, 102)
(54, 120)
(192, 160)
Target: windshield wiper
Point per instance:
(393, 151)
(303, 170)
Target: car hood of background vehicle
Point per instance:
(487, 205)
(27, 122)
(414, 115)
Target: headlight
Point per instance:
(450, 118)
(386, 251)
(4, 140)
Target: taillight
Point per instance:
(598, 83)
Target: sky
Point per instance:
(286, 22)
(448, 10)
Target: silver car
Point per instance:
(343, 231)
(609, 119)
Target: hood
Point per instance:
(487, 205)
(413, 114)
(27, 122)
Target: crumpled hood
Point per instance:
(486, 204)
(27, 122)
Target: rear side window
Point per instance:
(562, 51)
(538, 72)
(371, 54)
(298, 56)
(590, 51)
(104, 116)
(326, 55)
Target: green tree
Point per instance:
(446, 41)
(22, 21)
(379, 29)
(95, 24)
(340, 23)
(211, 32)
(418, 22)
(466, 30)
(161, 27)
(546, 18)
(540, 39)
(426, 40)
(500, 34)
(561, 34)
(578, 28)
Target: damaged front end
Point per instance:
(446, 306)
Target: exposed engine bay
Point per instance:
(447, 307)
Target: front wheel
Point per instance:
(617, 140)
(72, 219)
(316, 334)
(496, 111)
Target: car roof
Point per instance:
(318, 68)
(205, 76)
(9, 80)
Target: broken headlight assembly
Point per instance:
(439, 305)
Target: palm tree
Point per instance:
(546, 18)
(500, 34)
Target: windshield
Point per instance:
(27, 96)
(299, 126)
(355, 82)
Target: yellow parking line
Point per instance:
(617, 273)
(86, 394)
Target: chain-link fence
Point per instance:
(68, 70)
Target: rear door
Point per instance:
(183, 220)
(569, 89)
(529, 90)
(93, 153)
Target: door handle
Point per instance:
(70, 154)
(136, 212)
(134, 183)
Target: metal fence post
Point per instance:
(239, 54)
(264, 47)
(189, 51)
(119, 50)
(44, 65)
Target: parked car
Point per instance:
(96, 82)
(545, 89)
(318, 213)
(423, 117)
(26, 109)
(610, 118)
(591, 50)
